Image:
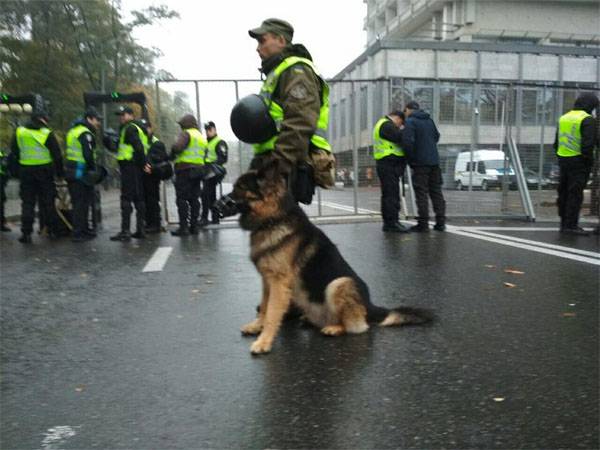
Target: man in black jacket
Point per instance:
(215, 159)
(419, 139)
(574, 144)
(132, 159)
(81, 160)
(157, 155)
(39, 155)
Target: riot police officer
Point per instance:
(157, 168)
(132, 159)
(574, 145)
(40, 160)
(390, 163)
(80, 162)
(216, 157)
(188, 153)
(298, 101)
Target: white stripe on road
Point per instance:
(158, 260)
(533, 248)
(348, 208)
(537, 243)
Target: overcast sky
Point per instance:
(210, 41)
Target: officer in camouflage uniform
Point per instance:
(298, 102)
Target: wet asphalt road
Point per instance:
(129, 360)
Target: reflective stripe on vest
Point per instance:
(382, 147)
(32, 146)
(1, 163)
(569, 133)
(196, 149)
(211, 154)
(125, 152)
(319, 138)
(74, 148)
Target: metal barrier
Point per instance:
(516, 119)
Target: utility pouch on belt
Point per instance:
(323, 163)
(302, 183)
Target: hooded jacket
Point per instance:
(51, 143)
(419, 140)
(585, 102)
(298, 92)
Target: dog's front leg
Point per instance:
(256, 326)
(280, 294)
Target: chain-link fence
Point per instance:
(483, 175)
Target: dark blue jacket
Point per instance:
(419, 140)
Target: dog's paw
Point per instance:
(333, 330)
(259, 347)
(251, 329)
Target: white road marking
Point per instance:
(348, 208)
(158, 259)
(537, 243)
(482, 233)
(55, 437)
(533, 248)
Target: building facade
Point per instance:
(475, 66)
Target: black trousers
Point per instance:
(82, 199)
(187, 193)
(37, 185)
(574, 174)
(132, 193)
(152, 199)
(209, 196)
(390, 170)
(427, 182)
(3, 183)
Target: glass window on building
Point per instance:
(546, 107)
(343, 117)
(447, 94)
(464, 104)
(529, 108)
(364, 109)
(333, 122)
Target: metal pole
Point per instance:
(160, 125)
(354, 151)
(198, 105)
(541, 162)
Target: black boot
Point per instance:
(25, 238)
(181, 231)
(123, 236)
(421, 227)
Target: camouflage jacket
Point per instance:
(298, 92)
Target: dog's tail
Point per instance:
(403, 315)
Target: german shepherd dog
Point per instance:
(300, 266)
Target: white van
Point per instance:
(487, 169)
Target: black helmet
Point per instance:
(251, 121)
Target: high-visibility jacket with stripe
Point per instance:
(195, 152)
(569, 133)
(382, 147)
(318, 139)
(125, 152)
(74, 148)
(32, 146)
(211, 154)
